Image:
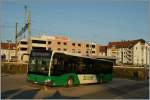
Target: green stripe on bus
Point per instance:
(62, 80)
(57, 80)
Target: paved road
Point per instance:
(16, 87)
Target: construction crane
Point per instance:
(26, 27)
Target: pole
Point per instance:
(25, 21)
(25, 7)
(16, 41)
(9, 50)
(29, 32)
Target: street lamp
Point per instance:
(9, 41)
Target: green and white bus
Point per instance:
(56, 68)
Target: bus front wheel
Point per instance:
(70, 82)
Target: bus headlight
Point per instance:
(49, 82)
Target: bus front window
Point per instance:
(39, 65)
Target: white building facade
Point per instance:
(141, 53)
(134, 52)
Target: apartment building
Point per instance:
(8, 51)
(130, 52)
(59, 43)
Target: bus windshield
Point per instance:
(39, 63)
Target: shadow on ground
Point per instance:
(29, 94)
(125, 92)
(18, 94)
(57, 95)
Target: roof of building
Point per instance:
(6, 46)
(124, 44)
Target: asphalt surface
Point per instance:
(16, 87)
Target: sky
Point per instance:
(99, 21)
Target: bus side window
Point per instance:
(45, 63)
(55, 61)
(87, 64)
(75, 65)
(33, 61)
(59, 62)
(96, 67)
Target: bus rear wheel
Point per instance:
(70, 82)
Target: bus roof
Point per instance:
(79, 55)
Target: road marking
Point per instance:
(31, 87)
(18, 92)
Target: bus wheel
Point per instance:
(69, 82)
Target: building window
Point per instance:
(93, 51)
(73, 50)
(79, 51)
(65, 49)
(59, 43)
(113, 52)
(146, 48)
(58, 49)
(142, 48)
(93, 46)
(79, 45)
(23, 42)
(142, 61)
(13, 52)
(73, 44)
(23, 49)
(136, 48)
(87, 51)
(87, 45)
(65, 43)
(39, 41)
(49, 48)
(49, 42)
(129, 51)
(137, 61)
(39, 48)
